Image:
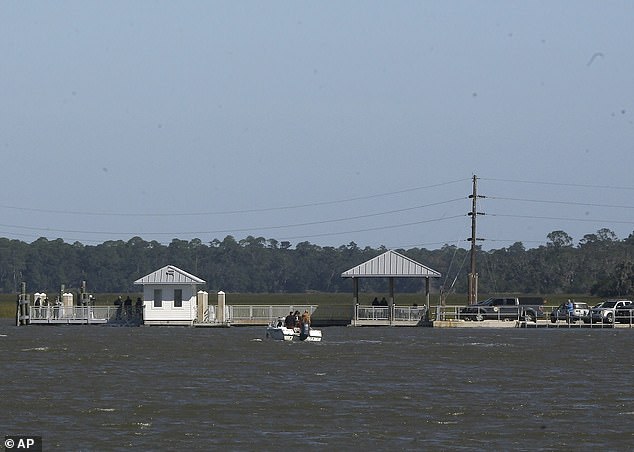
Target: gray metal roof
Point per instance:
(391, 264)
(169, 275)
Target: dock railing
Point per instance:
(261, 314)
(390, 315)
(372, 312)
(453, 312)
(84, 314)
(209, 314)
(624, 318)
(72, 312)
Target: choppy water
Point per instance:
(159, 388)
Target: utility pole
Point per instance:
(473, 274)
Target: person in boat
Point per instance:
(305, 328)
(289, 321)
(297, 320)
(306, 318)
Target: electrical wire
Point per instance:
(229, 212)
(561, 184)
(568, 203)
(376, 228)
(538, 217)
(255, 228)
(94, 233)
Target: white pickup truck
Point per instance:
(606, 311)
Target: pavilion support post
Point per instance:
(427, 298)
(391, 301)
(355, 300)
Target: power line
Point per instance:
(570, 203)
(562, 184)
(376, 228)
(586, 220)
(255, 228)
(557, 202)
(228, 212)
(93, 233)
(516, 241)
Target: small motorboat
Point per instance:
(276, 330)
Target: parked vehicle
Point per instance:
(588, 317)
(607, 312)
(580, 311)
(625, 314)
(506, 308)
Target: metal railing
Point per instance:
(87, 314)
(624, 317)
(116, 314)
(372, 312)
(510, 313)
(394, 313)
(210, 314)
(265, 313)
(72, 312)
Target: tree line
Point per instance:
(600, 264)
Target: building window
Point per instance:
(158, 298)
(178, 298)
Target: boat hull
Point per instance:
(288, 334)
(280, 333)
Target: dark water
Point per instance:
(106, 388)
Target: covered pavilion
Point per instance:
(390, 265)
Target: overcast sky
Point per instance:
(321, 121)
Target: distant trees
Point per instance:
(559, 239)
(600, 264)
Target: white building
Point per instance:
(169, 296)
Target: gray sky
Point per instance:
(326, 122)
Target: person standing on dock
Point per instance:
(56, 308)
(138, 308)
(45, 306)
(119, 304)
(36, 310)
(570, 309)
(127, 304)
